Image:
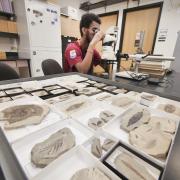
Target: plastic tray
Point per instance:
(114, 129)
(22, 148)
(15, 134)
(66, 166)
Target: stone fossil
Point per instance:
(95, 123)
(164, 124)
(90, 174)
(59, 91)
(131, 168)
(39, 93)
(106, 116)
(74, 106)
(21, 115)
(134, 118)
(108, 144)
(123, 91)
(58, 143)
(170, 108)
(151, 140)
(122, 101)
(148, 97)
(96, 148)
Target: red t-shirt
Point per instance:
(74, 54)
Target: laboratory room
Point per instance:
(89, 89)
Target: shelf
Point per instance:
(6, 14)
(88, 6)
(9, 35)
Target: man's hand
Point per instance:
(97, 37)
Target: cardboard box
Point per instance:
(2, 55)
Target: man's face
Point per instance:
(92, 30)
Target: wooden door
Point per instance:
(136, 21)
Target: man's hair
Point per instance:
(87, 19)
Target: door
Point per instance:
(139, 22)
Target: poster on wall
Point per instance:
(162, 35)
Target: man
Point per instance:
(80, 56)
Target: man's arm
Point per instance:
(84, 66)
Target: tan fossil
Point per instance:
(108, 144)
(122, 101)
(131, 168)
(134, 118)
(151, 140)
(22, 115)
(96, 148)
(106, 115)
(170, 108)
(95, 123)
(90, 174)
(47, 151)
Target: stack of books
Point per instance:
(6, 6)
(153, 68)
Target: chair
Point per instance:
(50, 66)
(7, 72)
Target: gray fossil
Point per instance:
(58, 143)
(96, 148)
(21, 115)
(131, 168)
(90, 174)
(95, 123)
(106, 115)
(134, 118)
(74, 106)
(148, 97)
(108, 144)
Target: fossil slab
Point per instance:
(90, 174)
(106, 116)
(118, 91)
(151, 140)
(4, 99)
(164, 124)
(39, 93)
(95, 123)
(49, 88)
(87, 91)
(96, 148)
(20, 96)
(60, 98)
(58, 143)
(22, 115)
(122, 101)
(131, 168)
(134, 118)
(148, 97)
(99, 85)
(170, 108)
(14, 91)
(58, 91)
(108, 144)
(110, 88)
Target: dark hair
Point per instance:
(87, 19)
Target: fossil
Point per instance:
(58, 143)
(148, 97)
(134, 118)
(110, 88)
(96, 148)
(151, 140)
(90, 174)
(122, 101)
(74, 106)
(108, 144)
(170, 108)
(4, 99)
(39, 93)
(123, 91)
(95, 123)
(164, 124)
(106, 116)
(58, 91)
(49, 88)
(131, 168)
(99, 85)
(21, 115)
